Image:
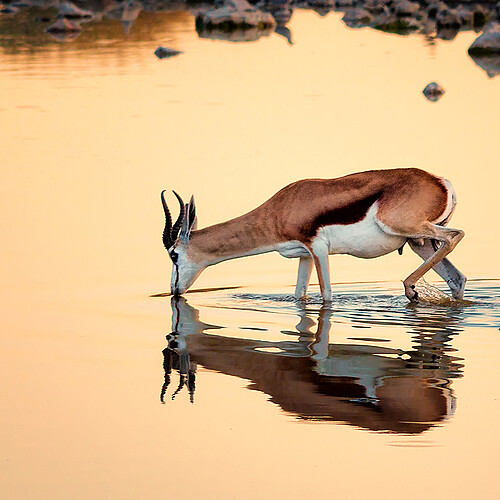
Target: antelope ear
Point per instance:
(190, 222)
(193, 220)
(185, 230)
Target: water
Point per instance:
(371, 397)
(395, 375)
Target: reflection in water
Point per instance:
(362, 384)
(41, 22)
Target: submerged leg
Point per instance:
(319, 252)
(453, 277)
(448, 237)
(303, 276)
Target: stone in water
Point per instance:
(163, 52)
(433, 92)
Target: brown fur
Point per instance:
(409, 199)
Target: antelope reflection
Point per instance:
(369, 386)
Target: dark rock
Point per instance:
(233, 35)
(404, 8)
(448, 18)
(398, 25)
(63, 25)
(481, 15)
(342, 4)
(447, 33)
(375, 6)
(488, 43)
(434, 8)
(164, 52)
(325, 4)
(433, 92)
(64, 30)
(282, 16)
(235, 15)
(465, 16)
(357, 17)
(70, 11)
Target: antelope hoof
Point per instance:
(411, 293)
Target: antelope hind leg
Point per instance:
(453, 277)
(449, 238)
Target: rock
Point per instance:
(64, 30)
(447, 33)
(448, 18)
(234, 35)
(404, 8)
(488, 43)
(282, 16)
(328, 4)
(164, 52)
(480, 14)
(398, 25)
(375, 6)
(273, 4)
(234, 15)
(465, 16)
(429, 27)
(434, 8)
(342, 4)
(433, 92)
(63, 25)
(357, 17)
(70, 11)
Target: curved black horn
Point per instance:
(180, 219)
(167, 231)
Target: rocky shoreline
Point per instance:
(242, 20)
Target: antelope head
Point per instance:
(176, 238)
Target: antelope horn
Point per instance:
(167, 231)
(180, 219)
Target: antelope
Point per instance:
(366, 214)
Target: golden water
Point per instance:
(403, 402)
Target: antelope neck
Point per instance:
(248, 234)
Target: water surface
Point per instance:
(373, 397)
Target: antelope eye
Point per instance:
(174, 256)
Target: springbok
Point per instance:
(366, 214)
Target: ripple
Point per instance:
(365, 304)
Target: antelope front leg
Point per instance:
(319, 252)
(303, 276)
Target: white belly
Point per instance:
(292, 249)
(365, 239)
